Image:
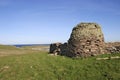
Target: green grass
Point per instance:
(41, 66)
(37, 65)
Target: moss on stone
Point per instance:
(86, 30)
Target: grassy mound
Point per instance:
(41, 66)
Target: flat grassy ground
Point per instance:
(37, 65)
(6, 50)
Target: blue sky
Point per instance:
(48, 21)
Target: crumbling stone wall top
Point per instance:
(83, 30)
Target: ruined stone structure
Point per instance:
(86, 40)
(112, 47)
(58, 48)
(55, 48)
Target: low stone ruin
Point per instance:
(55, 48)
(112, 47)
(58, 48)
(85, 40)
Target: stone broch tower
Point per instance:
(86, 40)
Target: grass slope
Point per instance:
(41, 66)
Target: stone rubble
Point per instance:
(113, 47)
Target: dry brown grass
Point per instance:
(11, 50)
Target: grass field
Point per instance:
(37, 65)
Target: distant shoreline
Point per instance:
(21, 45)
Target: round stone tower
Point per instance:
(86, 40)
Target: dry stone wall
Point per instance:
(112, 47)
(58, 49)
(55, 48)
(85, 40)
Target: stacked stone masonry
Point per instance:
(112, 47)
(85, 40)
